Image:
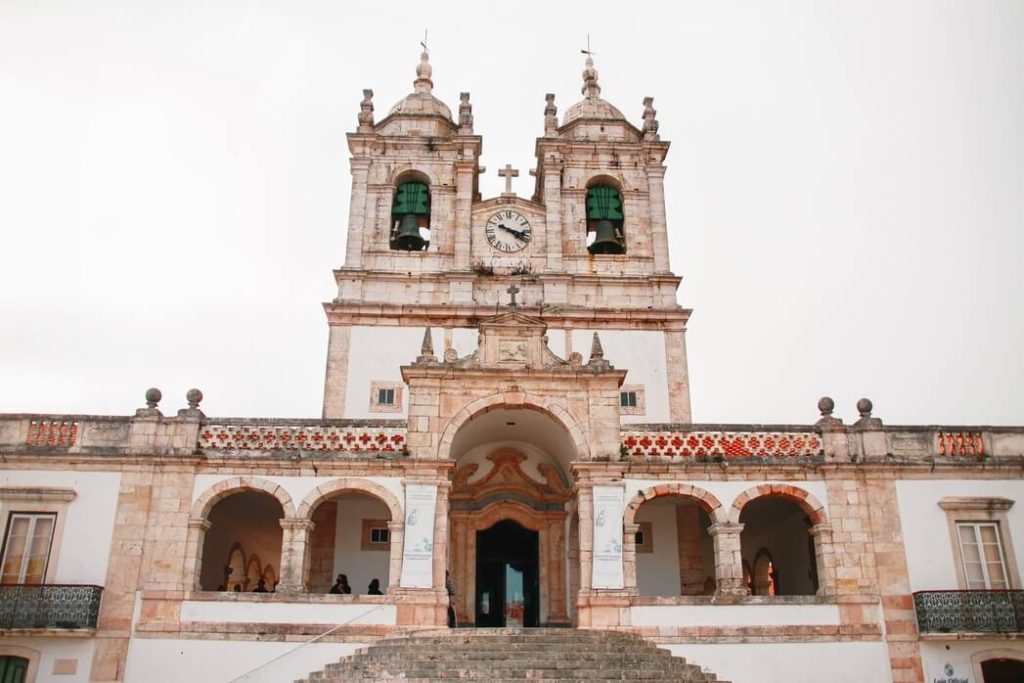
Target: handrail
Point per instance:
(298, 647)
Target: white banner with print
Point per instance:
(608, 503)
(418, 552)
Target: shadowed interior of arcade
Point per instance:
(511, 505)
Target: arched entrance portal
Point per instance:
(509, 516)
(507, 578)
(1003, 671)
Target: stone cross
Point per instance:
(508, 173)
(512, 290)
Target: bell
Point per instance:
(407, 234)
(607, 239)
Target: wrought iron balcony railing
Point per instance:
(991, 611)
(49, 606)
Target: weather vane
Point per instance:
(588, 51)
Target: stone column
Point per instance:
(629, 532)
(192, 569)
(459, 240)
(444, 489)
(728, 558)
(585, 510)
(824, 558)
(678, 375)
(552, 180)
(294, 549)
(688, 536)
(396, 532)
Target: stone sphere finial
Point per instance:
(153, 396)
(864, 407)
(194, 397)
(826, 405)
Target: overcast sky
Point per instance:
(845, 189)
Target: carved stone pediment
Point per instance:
(512, 340)
(508, 478)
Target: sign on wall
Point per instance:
(418, 552)
(950, 672)
(608, 503)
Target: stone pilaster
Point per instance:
(688, 537)
(585, 510)
(396, 532)
(197, 528)
(659, 225)
(824, 558)
(336, 379)
(294, 553)
(728, 558)
(552, 179)
(357, 213)
(678, 376)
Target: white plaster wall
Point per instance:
(51, 649)
(935, 655)
(375, 355)
(735, 615)
(640, 352)
(349, 558)
(930, 558)
(237, 612)
(298, 487)
(791, 662)
(727, 491)
(657, 573)
(157, 660)
(88, 525)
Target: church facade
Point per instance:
(506, 441)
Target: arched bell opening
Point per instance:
(1002, 670)
(410, 213)
(606, 218)
(243, 543)
(510, 475)
(351, 536)
(675, 554)
(777, 542)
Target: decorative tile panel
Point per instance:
(722, 444)
(302, 438)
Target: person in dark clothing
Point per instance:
(341, 585)
(374, 588)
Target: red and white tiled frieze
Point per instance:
(338, 439)
(709, 444)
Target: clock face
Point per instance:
(508, 230)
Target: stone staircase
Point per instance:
(512, 654)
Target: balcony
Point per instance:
(49, 606)
(985, 611)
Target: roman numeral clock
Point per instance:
(508, 231)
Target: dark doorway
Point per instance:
(1002, 671)
(507, 585)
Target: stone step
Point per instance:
(512, 655)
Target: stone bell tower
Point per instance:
(588, 252)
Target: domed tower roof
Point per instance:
(421, 102)
(591, 106)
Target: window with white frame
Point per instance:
(376, 535)
(26, 549)
(982, 541)
(982, 552)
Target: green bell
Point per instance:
(607, 239)
(406, 235)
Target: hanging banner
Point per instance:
(608, 503)
(418, 552)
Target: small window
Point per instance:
(27, 547)
(410, 217)
(13, 669)
(982, 553)
(605, 220)
(376, 535)
(632, 400)
(386, 397)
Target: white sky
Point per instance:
(845, 189)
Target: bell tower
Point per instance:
(588, 252)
